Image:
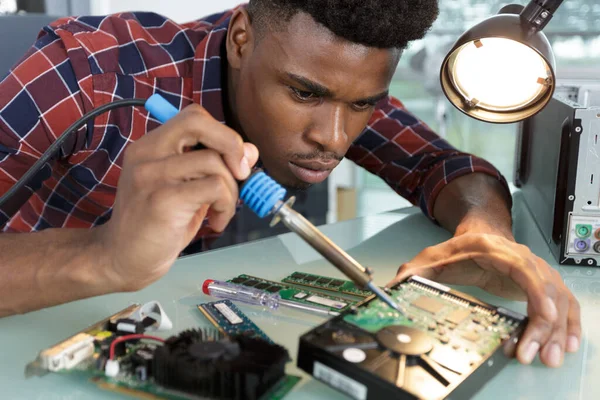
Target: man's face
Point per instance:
(304, 95)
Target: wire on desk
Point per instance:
(130, 337)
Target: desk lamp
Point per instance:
(502, 69)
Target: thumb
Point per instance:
(409, 269)
(251, 153)
(430, 262)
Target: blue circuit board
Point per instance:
(230, 320)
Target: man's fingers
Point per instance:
(573, 325)
(483, 251)
(537, 333)
(546, 330)
(541, 295)
(407, 270)
(193, 126)
(184, 167)
(429, 262)
(192, 195)
(251, 153)
(553, 349)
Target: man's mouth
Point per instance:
(312, 171)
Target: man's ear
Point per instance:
(240, 38)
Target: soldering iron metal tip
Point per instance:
(383, 296)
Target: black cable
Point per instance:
(54, 147)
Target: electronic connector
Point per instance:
(69, 353)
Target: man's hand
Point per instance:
(165, 193)
(502, 267)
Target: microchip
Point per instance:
(273, 289)
(323, 281)
(428, 304)
(470, 335)
(336, 283)
(228, 313)
(239, 279)
(251, 282)
(261, 286)
(310, 278)
(457, 316)
(298, 275)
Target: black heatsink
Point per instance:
(204, 364)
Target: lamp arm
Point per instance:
(539, 12)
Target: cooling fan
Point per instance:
(208, 365)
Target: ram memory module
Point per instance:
(295, 294)
(327, 284)
(230, 320)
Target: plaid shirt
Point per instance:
(78, 64)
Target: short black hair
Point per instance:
(373, 23)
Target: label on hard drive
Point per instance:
(228, 313)
(326, 302)
(340, 381)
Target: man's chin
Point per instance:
(297, 187)
(290, 183)
(293, 184)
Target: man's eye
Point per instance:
(303, 94)
(362, 105)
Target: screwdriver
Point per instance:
(265, 197)
(272, 301)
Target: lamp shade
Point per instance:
(501, 70)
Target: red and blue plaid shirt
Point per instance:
(78, 64)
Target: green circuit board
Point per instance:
(295, 294)
(88, 358)
(449, 319)
(130, 385)
(230, 320)
(326, 283)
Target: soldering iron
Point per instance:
(259, 192)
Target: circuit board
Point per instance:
(295, 294)
(450, 320)
(442, 343)
(148, 390)
(84, 356)
(132, 386)
(230, 320)
(326, 283)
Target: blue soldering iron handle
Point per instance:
(163, 111)
(260, 192)
(160, 108)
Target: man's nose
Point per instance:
(329, 128)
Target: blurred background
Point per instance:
(352, 192)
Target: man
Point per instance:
(305, 84)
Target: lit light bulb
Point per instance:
(500, 74)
